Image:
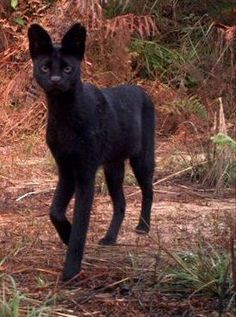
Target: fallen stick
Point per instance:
(34, 193)
(170, 177)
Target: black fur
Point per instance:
(88, 127)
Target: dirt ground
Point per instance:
(115, 281)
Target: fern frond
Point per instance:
(190, 105)
(193, 105)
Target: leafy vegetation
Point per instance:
(157, 60)
(187, 106)
(14, 4)
(223, 168)
(13, 303)
(222, 140)
(206, 272)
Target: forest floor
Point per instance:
(123, 280)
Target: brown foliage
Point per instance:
(107, 60)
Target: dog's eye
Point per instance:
(67, 69)
(44, 68)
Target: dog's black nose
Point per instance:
(55, 79)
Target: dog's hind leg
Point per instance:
(143, 168)
(114, 173)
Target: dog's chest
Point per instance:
(66, 140)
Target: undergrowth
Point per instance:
(205, 273)
(199, 274)
(186, 107)
(14, 303)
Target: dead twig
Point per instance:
(35, 193)
(171, 176)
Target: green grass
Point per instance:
(205, 272)
(199, 272)
(185, 9)
(183, 61)
(157, 60)
(13, 303)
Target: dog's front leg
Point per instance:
(83, 204)
(63, 194)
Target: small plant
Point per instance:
(10, 299)
(187, 106)
(206, 272)
(157, 60)
(222, 140)
(224, 161)
(14, 4)
(13, 303)
(222, 171)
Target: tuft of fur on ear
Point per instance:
(73, 41)
(39, 41)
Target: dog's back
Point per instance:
(134, 112)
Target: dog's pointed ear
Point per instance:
(73, 41)
(39, 41)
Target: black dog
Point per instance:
(88, 127)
